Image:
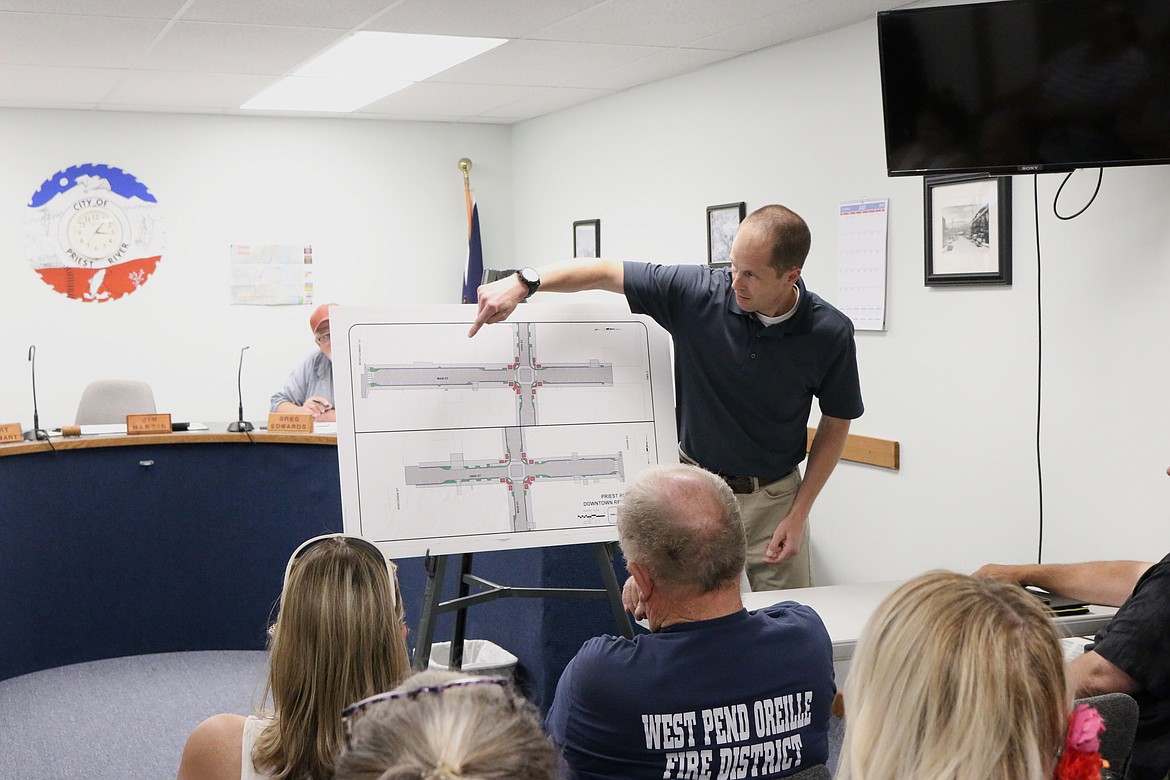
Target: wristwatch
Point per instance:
(531, 280)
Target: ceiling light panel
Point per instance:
(311, 94)
(395, 56)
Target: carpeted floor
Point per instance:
(121, 718)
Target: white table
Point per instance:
(845, 609)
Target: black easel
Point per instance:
(433, 607)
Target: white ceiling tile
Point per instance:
(546, 101)
(150, 108)
(490, 120)
(133, 9)
(490, 18)
(74, 41)
(231, 48)
(204, 55)
(661, 65)
(542, 63)
(658, 22)
(452, 101)
(196, 90)
(802, 21)
(287, 13)
(19, 83)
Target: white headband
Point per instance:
(356, 541)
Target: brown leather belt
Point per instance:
(744, 484)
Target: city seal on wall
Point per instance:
(93, 232)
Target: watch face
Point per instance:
(93, 232)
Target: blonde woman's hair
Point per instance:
(338, 638)
(464, 732)
(955, 678)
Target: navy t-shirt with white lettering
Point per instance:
(744, 695)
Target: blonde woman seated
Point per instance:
(441, 725)
(957, 678)
(339, 636)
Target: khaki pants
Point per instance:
(762, 511)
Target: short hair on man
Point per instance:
(788, 233)
(683, 525)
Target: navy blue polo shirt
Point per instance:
(744, 389)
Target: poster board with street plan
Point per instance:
(523, 436)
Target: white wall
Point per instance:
(381, 203)
(954, 377)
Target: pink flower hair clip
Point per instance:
(1081, 759)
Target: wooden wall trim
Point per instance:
(882, 453)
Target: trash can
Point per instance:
(479, 657)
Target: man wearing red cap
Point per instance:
(309, 388)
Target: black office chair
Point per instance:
(1120, 713)
(818, 772)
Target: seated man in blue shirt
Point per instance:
(714, 690)
(309, 388)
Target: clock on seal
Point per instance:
(94, 232)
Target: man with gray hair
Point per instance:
(713, 690)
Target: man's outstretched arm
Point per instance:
(499, 299)
(1108, 583)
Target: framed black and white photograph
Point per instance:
(968, 229)
(722, 224)
(587, 238)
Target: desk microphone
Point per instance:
(36, 434)
(241, 425)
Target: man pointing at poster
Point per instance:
(752, 348)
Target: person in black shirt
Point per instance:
(1131, 654)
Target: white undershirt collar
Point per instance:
(786, 315)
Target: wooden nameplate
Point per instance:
(286, 422)
(147, 423)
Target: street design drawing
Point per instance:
(524, 436)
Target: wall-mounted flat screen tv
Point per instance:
(1025, 85)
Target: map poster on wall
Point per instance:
(524, 436)
(271, 274)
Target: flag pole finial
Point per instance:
(465, 166)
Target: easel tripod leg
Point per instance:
(436, 568)
(602, 551)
